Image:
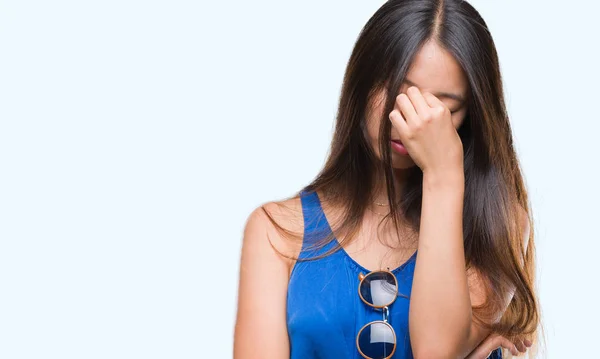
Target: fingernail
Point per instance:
(527, 342)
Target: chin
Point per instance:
(402, 162)
(399, 161)
(402, 165)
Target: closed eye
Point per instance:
(455, 111)
(459, 108)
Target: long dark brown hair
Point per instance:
(495, 193)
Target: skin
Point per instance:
(443, 291)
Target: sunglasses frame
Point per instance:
(384, 308)
(362, 277)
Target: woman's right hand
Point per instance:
(494, 341)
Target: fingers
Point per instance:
(399, 123)
(407, 108)
(414, 105)
(507, 344)
(433, 101)
(416, 98)
(516, 346)
(494, 341)
(520, 345)
(486, 347)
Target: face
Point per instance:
(433, 70)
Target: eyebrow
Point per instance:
(453, 96)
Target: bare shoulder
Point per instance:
(278, 225)
(261, 312)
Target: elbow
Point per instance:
(436, 351)
(440, 345)
(429, 355)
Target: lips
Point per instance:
(397, 141)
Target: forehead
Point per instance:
(435, 70)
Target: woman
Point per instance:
(421, 201)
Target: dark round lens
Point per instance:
(379, 289)
(377, 340)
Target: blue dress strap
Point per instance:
(316, 226)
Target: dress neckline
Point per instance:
(347, 255)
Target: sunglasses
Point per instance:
(377, 339)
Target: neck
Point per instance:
(380, 193)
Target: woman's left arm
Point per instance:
(440, 318)
(440, 315)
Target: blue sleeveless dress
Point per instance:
(324, 310)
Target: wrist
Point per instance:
(444, 179)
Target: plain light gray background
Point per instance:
(137, 136)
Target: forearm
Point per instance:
(440, 308)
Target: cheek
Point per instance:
(374, 115)
(373, 128)
(373, 124)
(458, 118)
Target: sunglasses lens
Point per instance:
(377, 340)
(379, 289)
